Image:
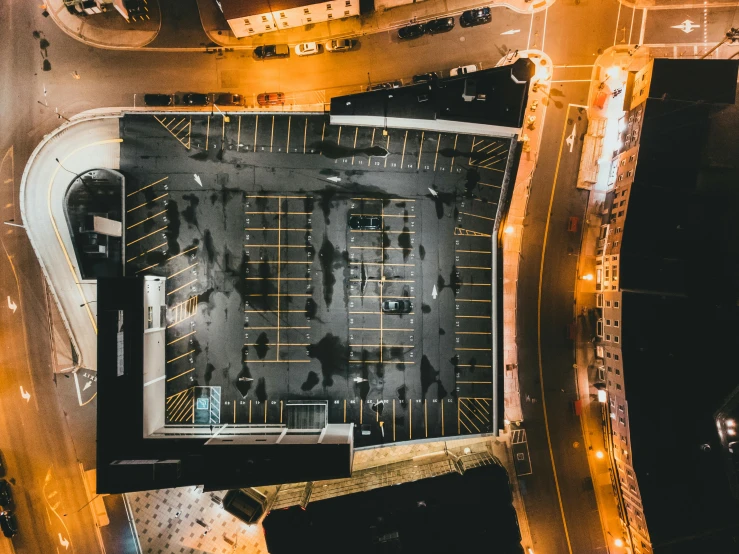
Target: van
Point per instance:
(272, 51)
(248, 505)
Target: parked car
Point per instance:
(424, 78)
(158, 99)
(441, 25)
(397, 306)
(6, 494)
(195, 99)
(365, 223)
(572, 224)
(411, 31)
(385, 86)
(462, 70)
(272, 51)
(228, 99)
(339, 45)
(306, 49)
(8, 523)
(478, 16)
(271, 99)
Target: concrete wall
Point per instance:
(154, 353)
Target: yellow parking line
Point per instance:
(145, 203)
(338, 140)
(372, 143)
(480, 216)
(288, 361)
(289, 118)
(182, 287)
(474, 382)
(207, 134)
(274, 261)
(305, 134)
(279, 295)
(356, 132)
(475, 284)
(454, 148)
(471, 300)
(181, 374)
(282, 279)
(272, 136)
(358, 231)
(256, 127)
(274, 246)
(386, 215)
(182, 253)
(146, 236)
(147, 219)
(473, 316)
(402, 158)
(471, 333)
(182, 270)
(470, 267)
(370, 329)
(274, 229)
(436, 156)
(272, 328)
(474, 143)
(180, 338)
(487, 185)
(146, 252)
(147, 186)
(323, 131)
(275, 197)
(238, 144)
(387, 147)
(420, 150)
(476, 251)
(281, 344)
(181, 356)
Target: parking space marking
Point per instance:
(476, 251)
(147, 186)
(377, 329)
(473, 316)
(207, 134)
(387, 146)
(146, 236)
(478, 216)
(182, 287)
(305, 134)
(181, 374)
(382, 264)
(181, 356)
(338, 140)
(182, 253)
(289, 120)
(471, 267)
(146, 252)
(181, 338)
(183, 132)
(372, 143)
(323, 131)
(238, 140)
(356, 132)
(436, 157)
(420, 150)
(175, 274)
(470, 300)
(179, 404)
(402, 158)
(144, 220)
(147, 203)
(454, 149)
(184, 311)
(488, 185)
(462, 232)
(272, 136)
(288, 262)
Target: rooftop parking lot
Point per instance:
(304, 263)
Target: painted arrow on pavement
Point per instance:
(197, 179)
(63, 541)
(511, 32)
(25, 394)
(12, 305)
(434, 293)
(87, 385)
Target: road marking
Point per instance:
(420, 151)
(12, 305)
(146, 236)
(305, 134)
(402, 158)
(356, 132)
(25, 395)
(180, 338)
(387, 147)
(478, 216)
(436, 157)
(144, 220)
(181, 356)
(372, 143)
(147, 186)
(256, 128)
(182, 287)
(146, 203)
(272, 136)
(338, 140)
(238, 142)
(182, 270)
(538, 332)
(207, 134)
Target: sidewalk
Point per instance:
(107, 30)
(218, 31)
(513, 232)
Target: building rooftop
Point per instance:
(234, 9)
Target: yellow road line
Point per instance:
(371, 329)
(207, 134)
(272, 136)
(146, 236)
(180, 338)
(475, 251)
(454, 148)
(471, 267)
(181, 374)
(146, 203)
(305, 134)
(144, 220)
(356, 132)
(474, 382)
(256, 127)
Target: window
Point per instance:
(348, 3)
(623, 193)
(615, 338)
(615, 322)
(328, 6)
(308, 19)
(608, 321)
(608, 337)
(610, 369)
(608, 354)
(149, 317)
(618, 371)
(615, 303)
(620, 177)
(251, 30)
(633, 488)
(306, 10)
(608, 276)
(246, 22)
(615, 243)
(622, 421)
(618, 387)
(631, 158)
(621, 409)
(629, 173)
(621, 203)
(284, 24)
(346, 13)
(609, 384)
(608, 303)
(282, 15)
(268, 27)
(330, 16)
(264, 18)
(620, 213)
(615, 356)
(618, 230)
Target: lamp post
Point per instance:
(226, 119)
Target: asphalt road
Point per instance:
(572, 33)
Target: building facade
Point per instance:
(248, 18)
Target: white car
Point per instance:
(340, 45)
(306, 49)
(462, 70)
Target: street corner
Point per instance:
(85, 381)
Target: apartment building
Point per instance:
(255, 17)
(649, 258)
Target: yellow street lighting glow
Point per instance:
(599, 454)
(508, 230)
(613, 71)
(602, 396)
(618, 542)
(730, 423)
(587, 277)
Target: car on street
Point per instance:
(425, 78)
(441, 25)
(8, 523)
(228, 99)
(385, 86)
(397, 306)
(158, 99)
(6, 495)
(339, 45)
(195, 99)
(411, 31)
(306, 49)
(365, 223)
(271, 99)
(272, 51)
(478, 16)
(462, 70)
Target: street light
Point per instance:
(599, 454)
(225, 117)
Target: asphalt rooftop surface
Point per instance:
(272, 296)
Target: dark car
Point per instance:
(6, 495)
(365, 223)
(195, 99)
(8, 523)
(271, 99)
(158, 99)
(424, 78)
(272, 51)
(228, 99)
(478, 16)
(397, 306)
(442, 25)
(412, 31)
